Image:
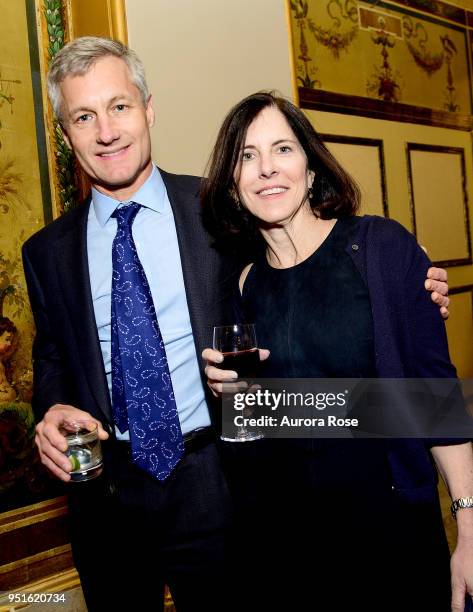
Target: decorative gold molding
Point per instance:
(38, 529)
(53, 29)
(57, 583)
(45, 516)
(7, 568)
(35, 513)
(117, 13)
(458, 15)
(68, 185)
(328, 101)
(97, 18)
(462, 289)
(292, 60)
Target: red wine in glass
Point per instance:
(245, 363)
(238, 345)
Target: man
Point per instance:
(155, 516)
(131, 532)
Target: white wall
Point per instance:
(201, 57)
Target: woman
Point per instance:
(332, 524)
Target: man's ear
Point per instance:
(150, 116)
(65, 137)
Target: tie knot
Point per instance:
(125, 215)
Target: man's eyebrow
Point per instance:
(122, 97)
(84, 109)
(79, 109)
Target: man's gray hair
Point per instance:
(77, 57)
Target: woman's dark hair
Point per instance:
(334, 192)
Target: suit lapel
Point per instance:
(200, 264)
(73, 271)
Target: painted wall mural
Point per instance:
(371, 56)
(24, 206)
(39, 180)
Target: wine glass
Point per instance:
(238, 345)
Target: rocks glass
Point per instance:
(83, 449)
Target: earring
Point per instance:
(310, 182)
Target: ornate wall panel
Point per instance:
(363, 158)
(25, 205)
(439, 202)
(384, 60)
(104, 18)
(38, 181)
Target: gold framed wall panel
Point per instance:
(363, 158)
(401, 60)
(460, 329)
(439, 202)
(74, 18)
(98, 18)
(35, 181)
(59, 166)
(25, 206)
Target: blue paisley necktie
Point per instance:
(142, 393)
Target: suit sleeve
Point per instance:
(50, 385)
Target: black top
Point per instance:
(315, 317)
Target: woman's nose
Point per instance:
(267, 166)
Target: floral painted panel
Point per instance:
(22, 212)
(382, 51)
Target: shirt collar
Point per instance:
(152, 194)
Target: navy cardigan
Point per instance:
(410, 335)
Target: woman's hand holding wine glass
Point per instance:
(235, 346)
(237, 361)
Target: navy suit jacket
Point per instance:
(68, 366)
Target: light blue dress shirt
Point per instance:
(154, 233)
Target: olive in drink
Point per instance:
(83, 449)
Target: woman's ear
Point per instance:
(310, 178)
